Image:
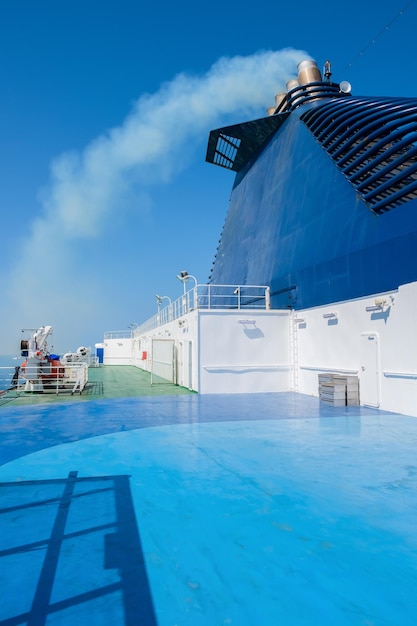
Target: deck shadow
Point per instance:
(78, 544)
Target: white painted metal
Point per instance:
(163, 361)
(253, 350)
(208, 297)
(370, 370)
(335, 344)
(244, 352)
(180, 364)
(119, 350)
(189, 365)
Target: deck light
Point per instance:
(185, 276)
(379, 305)
(160, 298)
(159, 302)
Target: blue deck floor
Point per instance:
(195, 510)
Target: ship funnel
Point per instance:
(308, 72)
(292, 84)
(279, 98)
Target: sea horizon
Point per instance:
(8, 363)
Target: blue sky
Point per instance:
(105, 194)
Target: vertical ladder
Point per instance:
(293, 330)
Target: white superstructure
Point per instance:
(248, 350)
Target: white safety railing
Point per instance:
(209, 297)
(118, 334)
(44, 377)
(8, 378)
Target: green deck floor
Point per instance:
(108, 381)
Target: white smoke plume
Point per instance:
(87, 188)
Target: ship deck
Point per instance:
(109, 381)
(206, 510)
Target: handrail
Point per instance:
(209, 297)
(118, 334)
(43, 377)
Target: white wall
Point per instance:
(225, 351)
(117, 351)
(257, 351)
(325, 345)
(184, 331)
(244, 352)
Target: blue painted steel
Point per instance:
(371, 135)
(394, 180)
(412, 153)
(366, 128)
(75, 549)
(297, 224)
(43, 592)
(237, 510)
(385, 202)
(306, 94)
(25, 430)
(363, 122)
(351, 169)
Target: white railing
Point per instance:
(209, 297)
(118, 334)
(79, 377)
(7, 383)
(51, 378)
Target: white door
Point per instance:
(188, 365)
(163, 361)
(180, 365)
(370, 370)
